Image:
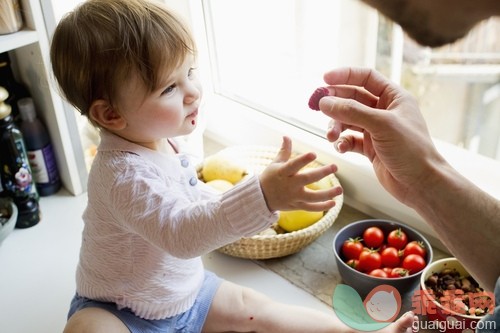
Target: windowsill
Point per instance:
(242, 125)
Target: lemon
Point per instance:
(220, 167)
(298, 219)
(220, 185)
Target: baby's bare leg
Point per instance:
(94, 320)
(240, 309)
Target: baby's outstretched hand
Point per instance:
(284, 182)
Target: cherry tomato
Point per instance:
(398, 272)
(397, 238)
(373, 237)
(415, 247)
(390, 257)
(378, 273)
(387, 270)
(354, 263)
(352, 248)
(413, 263)
(369, 260)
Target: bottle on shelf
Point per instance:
(15, 89)
(39, 147)
(15, 172)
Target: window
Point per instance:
(265, 57)
(458, 85)
(271, 55)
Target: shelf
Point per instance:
(18, 39)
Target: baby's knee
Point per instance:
(94, 320)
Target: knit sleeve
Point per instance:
(174, 216)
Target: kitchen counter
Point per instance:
(38, 265)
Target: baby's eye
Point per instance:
(168, 90)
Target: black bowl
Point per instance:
(364, 283)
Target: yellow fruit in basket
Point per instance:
(220, 167)
(294, 220)
(220, 185)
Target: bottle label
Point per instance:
(43, 165)
(20, 180)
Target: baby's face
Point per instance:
(169, 111)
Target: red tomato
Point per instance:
(387, 270)
(378, 273)
(413, 263)
(397, 238)
(369, 260)
(415, 247)
(354, 263)
(390, 257)
(398, 272)
(373, 237)
(352, 248)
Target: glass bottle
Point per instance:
(15, 171)
(40, 152)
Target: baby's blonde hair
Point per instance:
(103, 43)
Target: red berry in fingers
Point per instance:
(316, 96)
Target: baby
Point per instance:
(128, 65)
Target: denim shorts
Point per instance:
(191, 321)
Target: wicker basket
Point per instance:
(256, 159)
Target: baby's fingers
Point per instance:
(318, 197)
(311, 175)
(285, 151)
(323, 205)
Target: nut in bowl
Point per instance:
(380, 247)
(450, 296)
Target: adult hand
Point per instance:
(391, 132)
(387, 125)
(283, 182)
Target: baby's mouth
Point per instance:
(193, 116)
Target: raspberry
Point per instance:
(316, 96)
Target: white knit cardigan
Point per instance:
(148, 221)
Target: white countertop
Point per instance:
(37, 268)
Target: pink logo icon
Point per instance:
(383, 303)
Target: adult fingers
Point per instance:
(353, 92)
(350, 143)
(367, 78)
(336, 128)
(350, 113)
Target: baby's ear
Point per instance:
(106, 116)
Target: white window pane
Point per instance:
(271, 55)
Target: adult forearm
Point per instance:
(451, 204)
